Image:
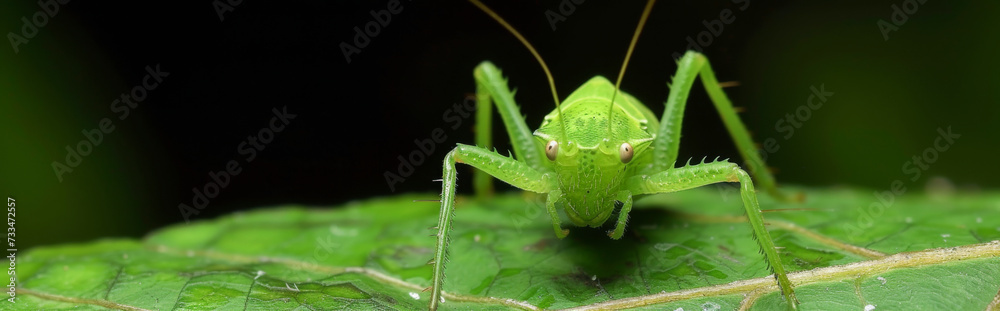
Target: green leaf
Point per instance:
(690, 250)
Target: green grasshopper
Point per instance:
(600, 149)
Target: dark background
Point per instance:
(354, 119)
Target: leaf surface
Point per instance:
(689, 250)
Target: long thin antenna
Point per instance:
(628, 55)
(552, 83)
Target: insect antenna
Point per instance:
(548, 74)
(628, 55)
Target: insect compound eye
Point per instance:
(551, 149)
(626, 152)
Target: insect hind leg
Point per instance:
(666, 144)
(492, 88)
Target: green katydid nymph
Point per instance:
(599, 150)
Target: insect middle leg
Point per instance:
(697, 175)
(666, 144)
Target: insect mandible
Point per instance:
(601, 148)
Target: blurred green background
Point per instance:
(937, 70)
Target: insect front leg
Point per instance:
(666, 143)
(550, 205)
(492, 87)
(511, 171)
(625, 197)
(698, 175)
